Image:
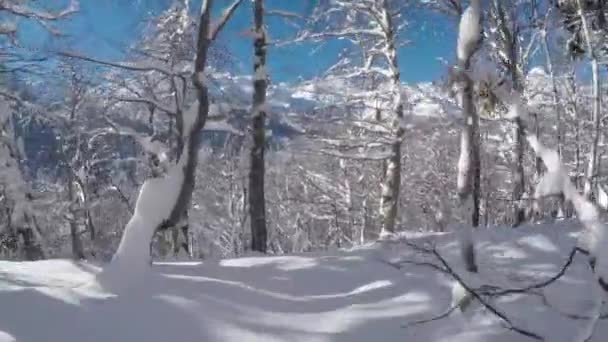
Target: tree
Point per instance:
(16, 196)
(373, 26)
(469, 168)
(586, 21)
(508, 49)
(15, 189)
(257, 200)
(152, 213)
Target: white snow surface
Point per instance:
(352, 295)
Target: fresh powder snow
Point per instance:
(380, 291)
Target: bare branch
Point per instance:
(156, 104)
(284, 14)
(27, 12)
(125, 66)
(483, 302)
(224, 19)
(542, 284)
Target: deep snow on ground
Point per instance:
(339, 296)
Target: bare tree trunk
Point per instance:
(392, 178)
(590, 174)
(469, 172)
(519, 184)
(518, 174)
(77, 250)
(257, 201)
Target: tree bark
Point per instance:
(257, 201)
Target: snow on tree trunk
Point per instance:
(257, 201)
(392, 177)
(468, 182)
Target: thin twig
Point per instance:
(483, 302)
(432, 319)
(542, 284)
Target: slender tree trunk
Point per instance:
(590, 174)
(469, 167)
(77, 250)
(519, 184)
(469, 172)
(257, 201)
(392, 177)
(592, 166)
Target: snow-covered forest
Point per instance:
(167, 195)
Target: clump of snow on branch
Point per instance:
(469, 31)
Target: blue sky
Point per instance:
(106, 28)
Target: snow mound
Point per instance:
(373, 292)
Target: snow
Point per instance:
(469, 31)
(156, 200)
(354, 295)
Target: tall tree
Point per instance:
(257, 200)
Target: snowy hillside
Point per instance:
(376, 292)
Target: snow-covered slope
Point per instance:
(358, 295)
